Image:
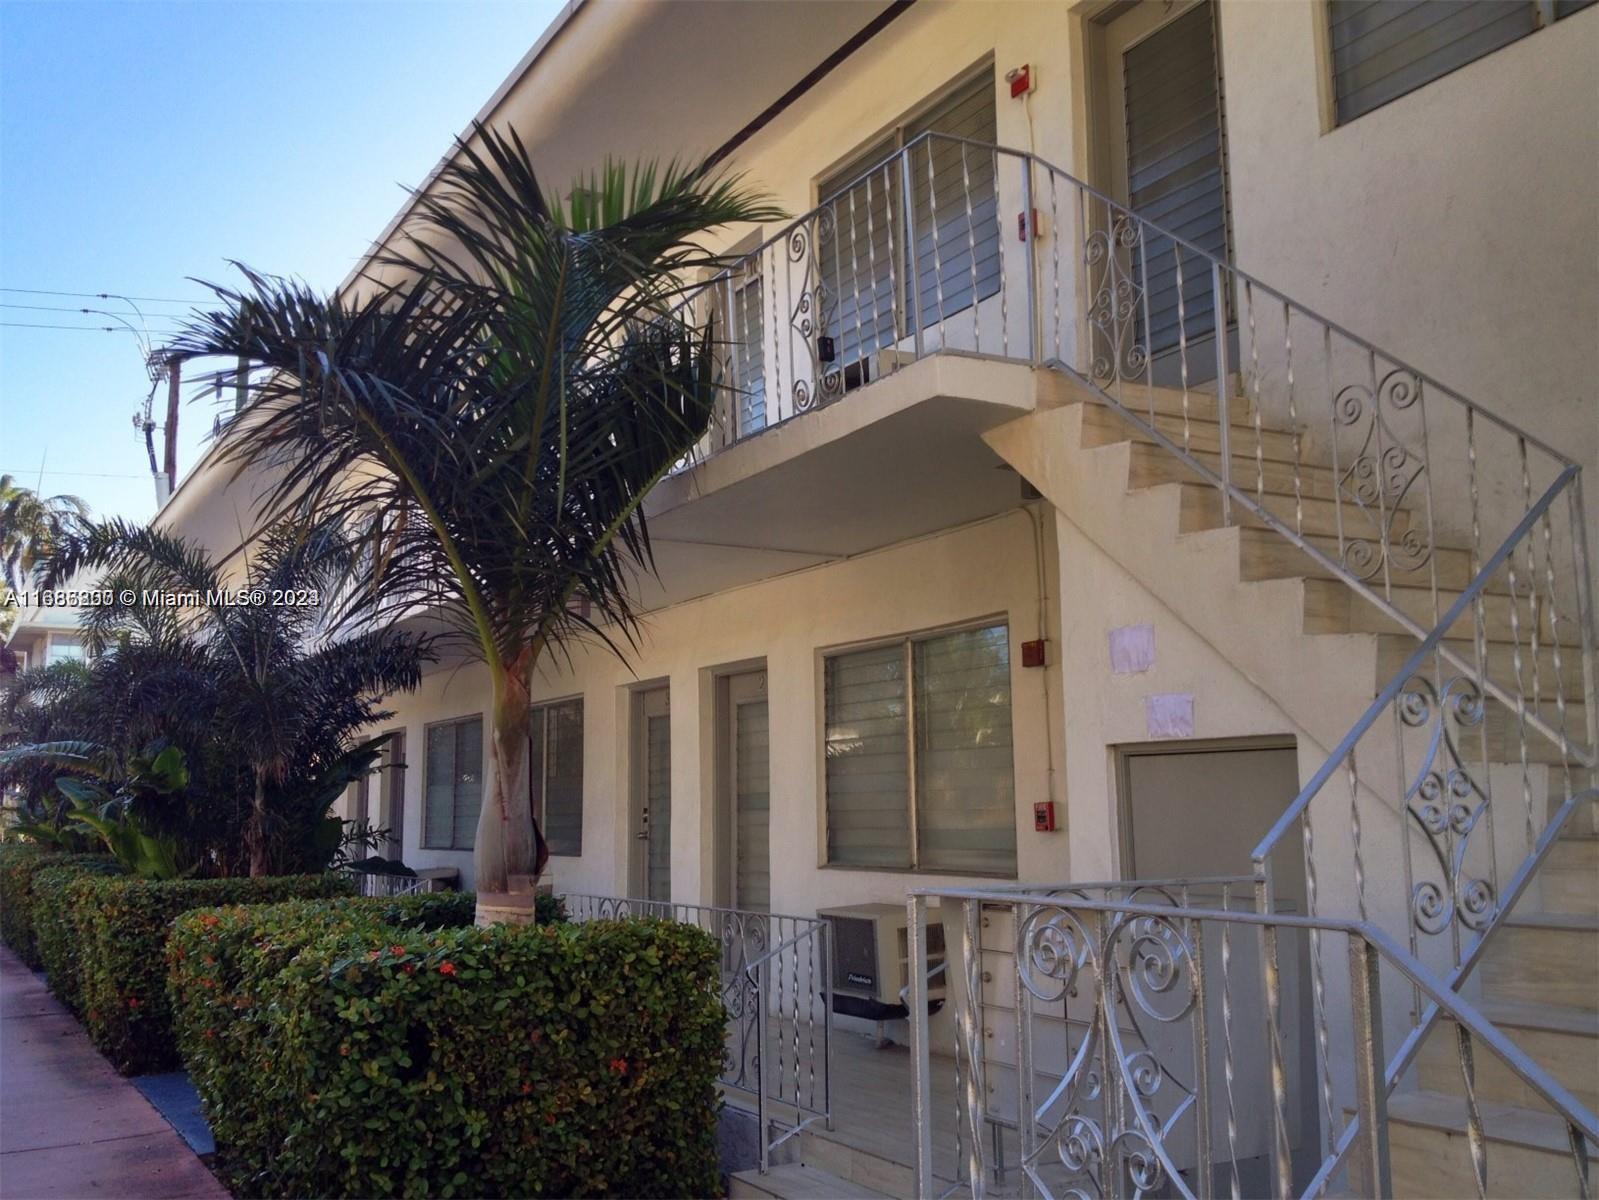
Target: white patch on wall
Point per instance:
(1132, 649)
(1169, 715)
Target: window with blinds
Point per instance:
(1175, 173)
(752, 780)
(747, 331)
(952, 257)
(919, 760)
(1382, 49)
(454, 784)
(555, 767)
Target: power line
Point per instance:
(63, 308)
(81, 474)
(103, 296)
(83, 328)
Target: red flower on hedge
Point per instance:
(446, 968)
(526, 1088)
(396, 949)
(407, 969)
(133, 1002)
(210, 920)
(619, 1065)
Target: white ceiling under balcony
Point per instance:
(899, 459)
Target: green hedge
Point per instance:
(343, 1056)
(19, 862)
(59, 928)
(122, 924)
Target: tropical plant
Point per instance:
(159, 772)
(265, 705)
(490, 420)
(30, 524)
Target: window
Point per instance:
(556, 769)
(454, 784)
(1382, 49)
(744, 329)
(64, 647)
(918, 747)
(866, 263)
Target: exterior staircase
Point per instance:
(1283, 617)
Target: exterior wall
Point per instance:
(1453, 226)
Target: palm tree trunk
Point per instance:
(508, 851)
(258, 855)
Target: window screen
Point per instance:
(556, 769)
(454, 772)
(941, 703)
(1382, 49)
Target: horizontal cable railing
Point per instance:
(1134, 1049)
(776, 984)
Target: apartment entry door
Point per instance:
(651, 859)
(1163, 154)
(744, 869)
(1198, 810)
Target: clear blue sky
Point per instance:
(145, 142)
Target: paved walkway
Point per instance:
(71, 1127)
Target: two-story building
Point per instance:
(981, 579)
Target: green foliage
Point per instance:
(19, 863)
(122, 926)
(59, 926)
(160, 772)
(338, 1054)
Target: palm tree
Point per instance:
(30, 524)
(232, 667)
(491, 422)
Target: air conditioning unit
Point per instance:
(871, 960)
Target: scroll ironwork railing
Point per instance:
(1457, 538)
(1124, 1045)
(776, 984)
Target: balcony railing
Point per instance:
(776, 984)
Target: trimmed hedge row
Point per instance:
(56, 929)
(121, 925)
(19, 863)
(341, 1054)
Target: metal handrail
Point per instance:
(1447, 1001)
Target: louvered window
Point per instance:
(556, 770)
(752, 780)
(454, 771)
(1175, 173)
(1382, 49)
(919, 755)
(871, 270)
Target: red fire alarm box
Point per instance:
(1044, 816)
(1033, 653)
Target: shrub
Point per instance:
(122, 923)
(58, 927)
(19, 862)
(365, 1059)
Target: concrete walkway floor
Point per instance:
(71, 1127)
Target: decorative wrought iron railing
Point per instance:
(776, 983)
(1130, 1049)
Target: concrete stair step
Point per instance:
(1528, 1151)
(1563, 1041)
(1202, 509)
(795, 1181)
(1103, 426)
(1152, 464)
(1544, 958)
(1332, 607)
(1393, 650)
(1266, 554)
(1058, 388)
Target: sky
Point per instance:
(145, 143)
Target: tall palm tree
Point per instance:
(491, 417)
(30, 524)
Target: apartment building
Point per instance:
(1139, 390)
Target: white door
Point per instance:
(652, 796)
(749, 773)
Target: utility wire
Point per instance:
(83, 328)
(67, 308)
(104, 296)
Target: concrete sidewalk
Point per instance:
(71, 1127)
